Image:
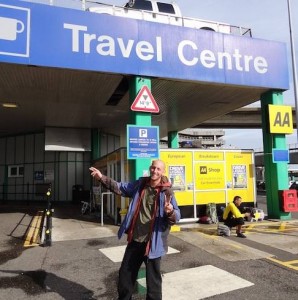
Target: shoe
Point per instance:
(240, 234)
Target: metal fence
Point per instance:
(24, 192)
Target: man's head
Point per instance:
(237, 200)
(157, 169)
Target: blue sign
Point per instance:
(43, 35)
(14, 30)
(142, 142)
(280, 155)
(38, 175)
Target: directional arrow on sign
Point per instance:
(145, 102)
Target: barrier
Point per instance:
(49, 213)
(289, 201)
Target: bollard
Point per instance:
(48, 232)
(123, 213)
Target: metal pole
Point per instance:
(49, 211)
(293, 64)
(84, 5)
(101, 204)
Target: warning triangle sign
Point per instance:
(145, 101)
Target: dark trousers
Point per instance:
(131, 263)
(232, 222)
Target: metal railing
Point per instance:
(83, 5)
(24, 192)
(293, 147)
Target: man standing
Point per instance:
(233, 217)
(151, 213)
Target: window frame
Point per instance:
(15, 171)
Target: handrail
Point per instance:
(84, 4)
(101, 205)
(184, 20)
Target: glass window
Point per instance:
(143, 5)
(21, 171)
(15, 171)
(165, 8)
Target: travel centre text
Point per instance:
(188, 51)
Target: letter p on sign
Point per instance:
(143, 133)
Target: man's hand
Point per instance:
(95, 173)
(168, 205)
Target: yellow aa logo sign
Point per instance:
(203, 170)
(280, 118)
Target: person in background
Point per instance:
(152, 211)
(232, 216)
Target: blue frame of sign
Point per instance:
(142, 142)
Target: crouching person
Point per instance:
(151, 213)
(232, 216)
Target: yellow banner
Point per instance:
(179, 171)
(209, 156)
(209, 176)
(210, 197)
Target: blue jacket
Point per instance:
(161, 229)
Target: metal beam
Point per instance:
(239, 118)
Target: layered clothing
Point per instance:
(232, 216)
(160, 222)
(232, 211)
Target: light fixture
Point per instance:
(9, 105)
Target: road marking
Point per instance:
(251, 226)
(289, 264)
(32, 236)
(199, 283)
(175, 228)
(282, 226)
(236, 246)
(210, 235)
(270, 227)
(115, 254)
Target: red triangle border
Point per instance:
(139, 95)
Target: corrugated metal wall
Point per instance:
(68, 172)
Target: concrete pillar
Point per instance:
(173, 139)
(276, 174)
(95, 144)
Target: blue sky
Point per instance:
(268, 19)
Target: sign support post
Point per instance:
(276, 174)
(173, 139)
(138, 167)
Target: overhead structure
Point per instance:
(83, 80)
(66, 68)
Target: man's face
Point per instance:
(156, 170)
(238, 202)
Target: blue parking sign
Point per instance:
(142, 142)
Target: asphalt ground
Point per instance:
(83, 259)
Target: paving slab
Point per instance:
(199, 283)
(73, 229)
(222, 247)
